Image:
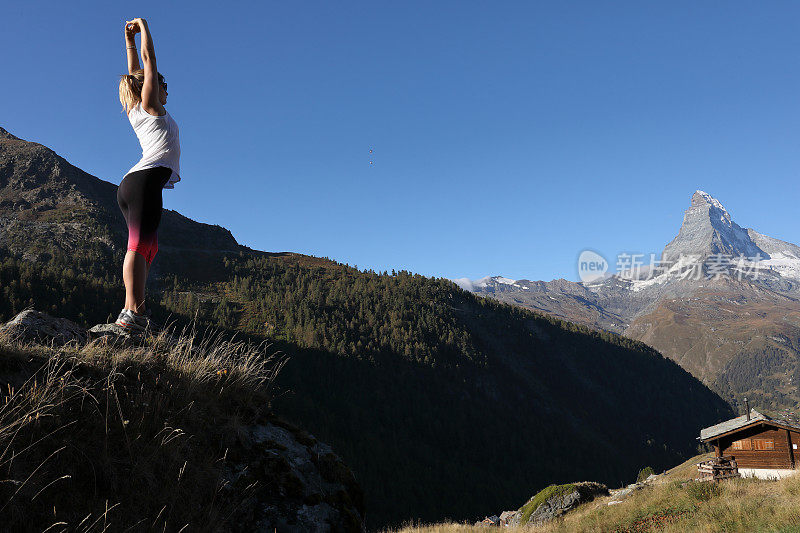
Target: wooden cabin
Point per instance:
(761, 446)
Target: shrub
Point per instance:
(644, 473)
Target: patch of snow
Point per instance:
(474, 285)
(784, 263)
(638, 285)
(711, 200)
(678, 270)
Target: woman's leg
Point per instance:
(134, 274)
(139, 197)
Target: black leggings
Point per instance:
(139, 198)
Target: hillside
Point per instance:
(443, 403)
(673, 503)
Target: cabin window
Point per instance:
(763, 444)
(742, 445)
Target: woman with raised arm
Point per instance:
(143, 94)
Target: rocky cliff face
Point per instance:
(723, 301)
(708, 229)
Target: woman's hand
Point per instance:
(132, 27)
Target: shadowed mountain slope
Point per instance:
(443, 403)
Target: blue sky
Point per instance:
(506, 136)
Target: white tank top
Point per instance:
(161, 146)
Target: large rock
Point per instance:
(298, 484)
(556, 500)
(121, 337)
(41, 328)
(617, 495)
(35, 326)
(507, 517)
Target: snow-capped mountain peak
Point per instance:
(709, 244)
(708, 230)
(710, 200)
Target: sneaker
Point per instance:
(129, 320)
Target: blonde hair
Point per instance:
(130, 88)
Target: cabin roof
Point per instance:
(741, 422)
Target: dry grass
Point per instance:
(674, 504)
(98, 437)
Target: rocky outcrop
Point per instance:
(618, 495)
(41, 328)
(298, 484)
(556, 500)
(507, 517)
(547, 504)
(34, 326)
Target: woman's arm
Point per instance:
(150, 88)
(148, 50)
(130, 43)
